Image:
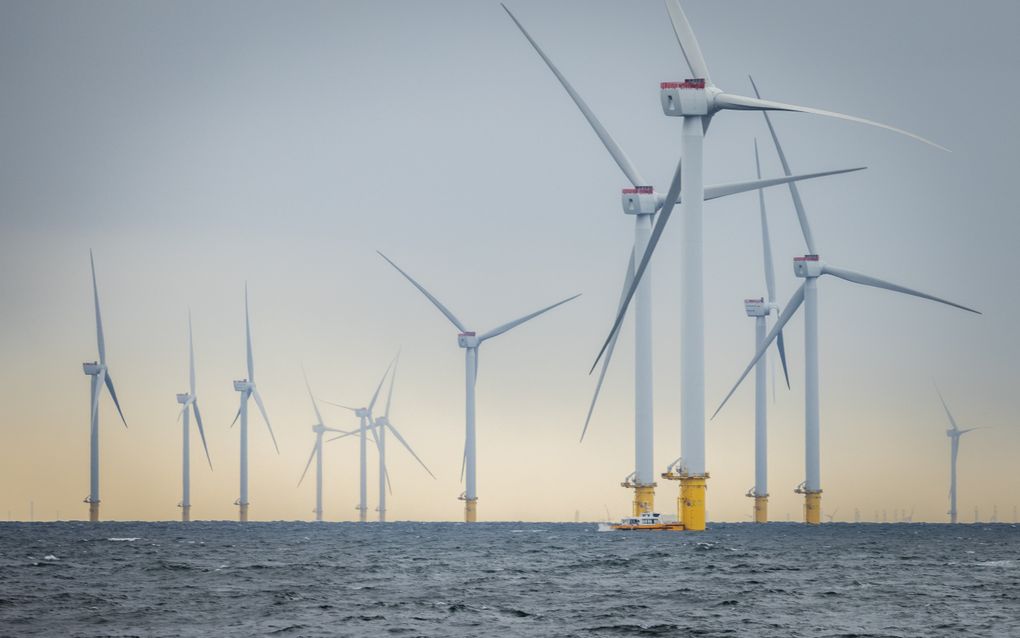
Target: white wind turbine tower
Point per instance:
(810, 268)
(471, 341)
(100, 376)
(641, 201)
(696, 101)
(379, 427)
(954, 433)
(247, 389)
(319, 428)
(190, 402)
(364, 415)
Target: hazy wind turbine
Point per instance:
(247, 389)
(364, 425)
(810, 268)
(471, 341)
(641, 201)
(319, 428)
(697, 100)
(833, 515)
(760, 309)
(379, 427)
(100, 376)
(954, 433)
(190, 402)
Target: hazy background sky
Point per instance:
(195, 145)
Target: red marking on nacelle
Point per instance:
(466, 334)
(639, 190)
(689, 83)
(762, 300)
(806, 258)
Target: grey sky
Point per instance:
(195, 145)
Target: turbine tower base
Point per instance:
(94, 512)
(470, 510)
(243, 512)
(761, 508)
(812, 507)
(185, 513)
(691, 504)
(362, 514)
(644, 498)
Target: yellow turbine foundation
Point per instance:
(644, 499)
(93, 512)
(691, 504)
(761, 509)
(470, 510)
(813, 507)
(243, 516)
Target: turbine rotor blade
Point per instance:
(113, 395)
(315, 405)
(393, 379)
(311, 456)
(201, 431)
(781, 346)
(100, 341)
(463, 462)
(435, 302)
(729, 101)
(688, 43)
(791, 307)
(247, 336)
(798, 205)
(393, 429)
(612, 345)
(607, 140)
(722, 190)
(265, 417)
(495, 332)
(238, 415)
(949, 414)
(672, 197)
(375, 395)
(866, 280)
(337, 405)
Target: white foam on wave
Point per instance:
(997, 563)
(50, 557)
(123, 540)
(605, 527)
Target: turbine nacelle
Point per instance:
(693, 96)
(243, 385)
(92, 368)
(183, 398)
(363, 413)
(758, 307)
(808, 266)
(318, 428)
(641, 200)
(468, 340)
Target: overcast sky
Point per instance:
(196, 145)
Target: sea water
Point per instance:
(507, 579)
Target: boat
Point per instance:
(646, 522)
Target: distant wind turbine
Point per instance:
(471, 341)
(100, 376)
(379, 427)
(319, 428)
(247, 389)
(364, 415)
(190, 402)
(954, 433)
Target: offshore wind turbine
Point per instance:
(319, 429)
(379, 427)
(189, 400)
(364, 415)
(760, 310)
(99, 374)
(247, 389)
(696, 101)
(954, 433)
(470, 341)
(811, 268)
(641, 201)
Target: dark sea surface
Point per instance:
(507, 579)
